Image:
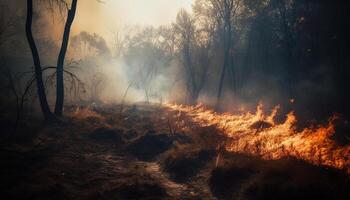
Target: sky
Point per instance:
(102, 18)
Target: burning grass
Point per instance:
(259, 134)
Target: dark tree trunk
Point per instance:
(221, 82)
(37, 66)
(191, 80)
(247, 64)
(61, 57)
(227, 57)
(230, 63)
(289, 47)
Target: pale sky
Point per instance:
(101, 18)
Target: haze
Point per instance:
(100, 18)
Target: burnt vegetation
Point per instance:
(88, 116)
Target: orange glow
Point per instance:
(258, 134)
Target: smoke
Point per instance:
(135, 77)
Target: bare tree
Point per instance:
(146, 56)
(289, 43)
(61, 57)
(96, 83)
(37, 65)
(20, 93)
(89, 45)
(194, 47)
(186, 29)
(225, 10)
(118, 44)
(60, 63)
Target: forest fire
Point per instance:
(258, 134)
(90, 106)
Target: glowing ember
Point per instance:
(259, 134)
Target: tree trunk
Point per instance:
(191, 82)
(37, 66)
(232, 71)
(61, 57)
(289, 45)
(221, 83)
(227, 49)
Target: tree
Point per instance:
(185, 28)
(61, 57)
(225, 11)
(218, 17)
(145, 55)
(96, 83)
(87, 45)
(119, 41)
(60, 62)
(37, 65)
(193, 53)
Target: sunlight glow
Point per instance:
(102, 17)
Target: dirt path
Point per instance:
(87, 157)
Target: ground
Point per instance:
(147, 152)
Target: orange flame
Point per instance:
(258, 134)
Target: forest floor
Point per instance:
(142, 153)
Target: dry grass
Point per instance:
(87, 156)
